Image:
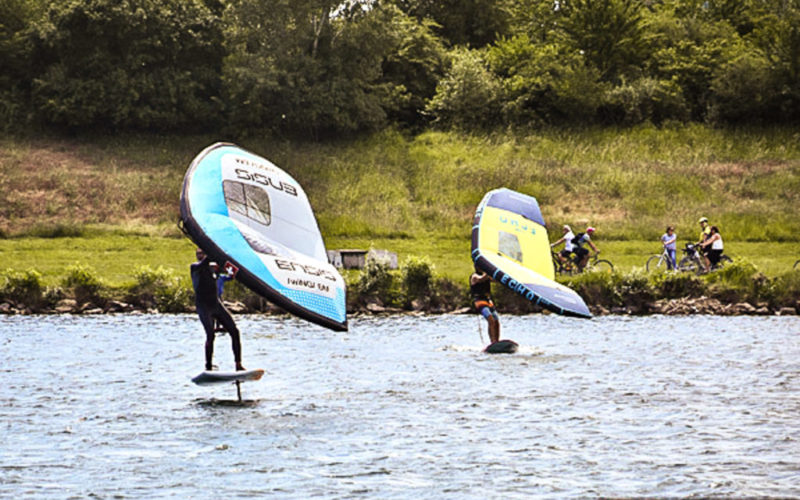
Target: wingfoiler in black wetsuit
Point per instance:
(481, 298)
(209, 308)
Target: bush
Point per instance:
(448, 295)
(634, 289)
(739, 280)
(82, 282)
(159, 288)
(545, 83)
(417, 275)
(678, 285)
(376, 281)
(23, 287)
(468, 95)
(785, 290)
(596, 288)
(645, 100)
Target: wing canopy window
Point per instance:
(509, 246)
(248, 200)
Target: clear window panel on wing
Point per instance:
(509, 246)
(248, 200)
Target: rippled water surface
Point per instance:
(402, 407)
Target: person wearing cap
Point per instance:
(705, 234)
(565, 252)
(582, 254)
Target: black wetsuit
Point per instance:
(481, 290)
(482, 298)
(209, 308)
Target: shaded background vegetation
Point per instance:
(319, 67)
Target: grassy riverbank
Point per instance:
(629, 183)
(114, 256)
(111, 202)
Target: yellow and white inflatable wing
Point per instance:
(510, 244)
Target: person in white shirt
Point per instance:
(714, 253)
(565, 252)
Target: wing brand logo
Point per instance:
(287, 265)
(247, 174)
(518, 287)
(517, 226)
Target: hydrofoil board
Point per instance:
(212, 377)
(502, 347)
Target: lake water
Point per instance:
(401, 407)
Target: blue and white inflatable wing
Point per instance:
(244, 211)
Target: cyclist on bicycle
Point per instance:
(705, 234)
(582, 254)
(713, 246)
(566, 252)
(669, 239)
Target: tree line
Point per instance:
(323, 67)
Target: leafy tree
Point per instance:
(468, 95)
(304, 66)
(412, 68)
(744, 90)
(690, 48)
(314, 67)
(609, 33)
(545, 83)
(16, 17)
(127, 64)
(777, 34)
(472, 23)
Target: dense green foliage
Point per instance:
(318, 67)
(376, 288)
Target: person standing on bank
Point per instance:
(669, 240)
(480, 287)
(210, 308)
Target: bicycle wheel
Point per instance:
(602, 266)
(724, 259)
(654, 264)
(689, 265)
(797, 265)
(558, 266)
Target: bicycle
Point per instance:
(693, 262)
(570, 266)
(567, 267)
(796, 265)
(656, 263)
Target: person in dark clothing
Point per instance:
(210, 308)
(480, 287)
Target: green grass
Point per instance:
(115, 257)
(631, 183)
(112, 201)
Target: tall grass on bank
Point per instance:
(630, 183)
